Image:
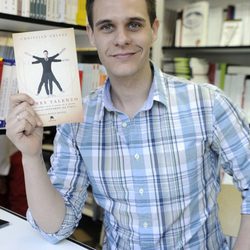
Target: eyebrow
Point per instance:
(104, 21)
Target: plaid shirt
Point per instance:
(156, 175)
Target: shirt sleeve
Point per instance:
(231, 138)
(69, 177)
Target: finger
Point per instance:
(25, 111)
(29, 116)
(24, 125)
(16, 99)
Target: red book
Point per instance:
(1, 70)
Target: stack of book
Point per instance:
(178, 66)
(194, 69)
(92, 76)
(6, 45)
(66, 11)
(199, 68)
(201, 24)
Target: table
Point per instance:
(19, 235)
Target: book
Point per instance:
(215, 21)
(1, 70)
(26, 8)
(8, 87)
(178, 29)
(195, 23)
(47, 70)
(231, 33)
(238, 69)
(170, 17)
(92, 75)
(246, 97)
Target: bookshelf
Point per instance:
(15, 23)
(231, 55)
(216, 55)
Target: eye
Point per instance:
(134, 26)
(107, 28)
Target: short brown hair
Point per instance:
(151, 6)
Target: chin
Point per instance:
(124, 72)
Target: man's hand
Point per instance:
(24, 127)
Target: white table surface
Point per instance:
(19, 235)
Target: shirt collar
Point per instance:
(157, 93)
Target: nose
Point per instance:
(122, 37)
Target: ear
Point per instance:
(155, 28)
(90, 35)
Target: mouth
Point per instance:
(124, 55)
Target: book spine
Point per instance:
(81, 16)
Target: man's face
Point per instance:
(122, 35)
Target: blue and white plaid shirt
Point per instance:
(157, 175)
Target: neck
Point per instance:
(129, 95)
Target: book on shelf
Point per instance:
(9, 7)
(47, 70)
(246, 96)
(92, 76)
(178, 29)
(238, 69)
(232, 33)
(6, 45)
(1, 69)
(81, 14)
(170, 21)
(242, 11)
(8, 87)
(215, 21)
(195, 23)
(237, 88)
(64, 11)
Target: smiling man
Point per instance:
(151, 146)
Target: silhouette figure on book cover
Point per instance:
(48, 76)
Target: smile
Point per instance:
(124, 54)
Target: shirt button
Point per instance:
(137, 156)
(124, 124)
(141, 191)
(145, 224)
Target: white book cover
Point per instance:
(228, 85)
(242, 11)
(215, 21)
(61, 11)
(178, 36)
(47, 70)
(237, 89)
(232, 33)
(195, 23)
(25, 8)
(238, 69)
(49, 10)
